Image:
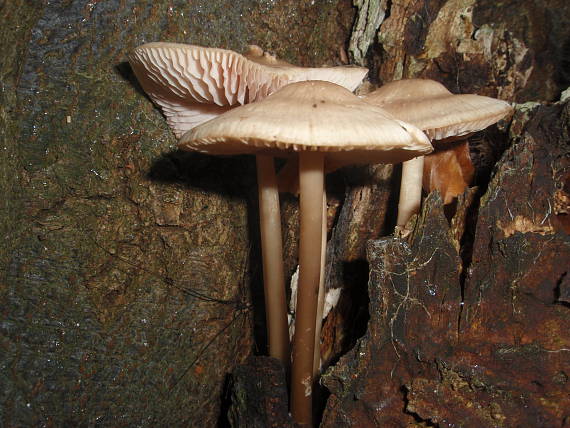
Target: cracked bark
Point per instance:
(494, 352)
(470, 47)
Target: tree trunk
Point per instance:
(126, 266)
(469, 316)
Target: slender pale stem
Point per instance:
(272, 255)
(410, 189)
(311, 180)
(321, 298)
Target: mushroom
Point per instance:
(317, 120)
(193, 84)
(441, 115)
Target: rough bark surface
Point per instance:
(516, 50)
(468, 318)
(125, 265)
(491, 49)
(488, 350)
(260, 401)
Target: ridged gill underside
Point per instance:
(193, 84)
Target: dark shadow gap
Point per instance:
(353, 308)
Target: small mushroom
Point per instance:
(441, 115)
(321, 122)
(193, 84)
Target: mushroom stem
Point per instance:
(311, 180)
(272, 255)
(410, 190)
(321, 298)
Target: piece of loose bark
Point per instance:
(448, 170)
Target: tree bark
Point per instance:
(468, 316)
(127, 268)
(478, 341)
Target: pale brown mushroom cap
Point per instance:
(193, 84)
(256, 54)
(432, 108)
(310, 116)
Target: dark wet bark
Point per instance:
(498, 356)
(126, 267)
(259, 395)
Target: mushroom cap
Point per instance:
(310, 116)
(439, 113)
(193, 84)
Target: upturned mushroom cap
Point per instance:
(310, 116)
(432, 108)
(193, 84)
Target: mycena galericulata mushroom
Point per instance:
(193, 84)
(319, 122)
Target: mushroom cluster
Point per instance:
(219, 102)
(318, 122)
(193, 84)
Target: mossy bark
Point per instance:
(125, 265)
